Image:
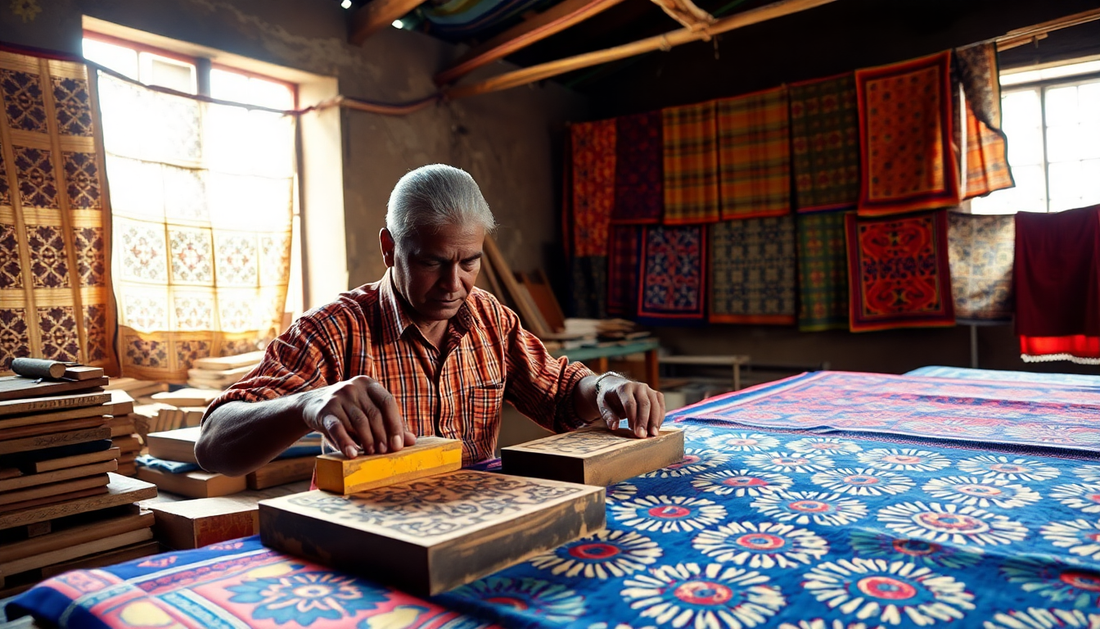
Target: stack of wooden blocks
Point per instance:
(415, 520)
(61, 504)
(221, 372)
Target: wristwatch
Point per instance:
(600, 378)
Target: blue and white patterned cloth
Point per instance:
(1005, 376)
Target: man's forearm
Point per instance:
(239, 437)
(584, 399)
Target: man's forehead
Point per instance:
(448, 240)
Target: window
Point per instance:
(206, 256)
(1052, 119)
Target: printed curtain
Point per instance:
(202, 197)
(754, 154)
(55, 286)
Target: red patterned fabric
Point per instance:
(898, 271)
(639, 191)
(622, 270)
(593, 185)
(1057, 283)
(673, 283)
(905, 119)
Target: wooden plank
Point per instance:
(32, 480)
(28, 505)
(44, 429)
(80, 533)
(174, 445)
(17, 387)
(197, 523)
(49, 465)
(224, 363)
(430, 456)
(194, 484)
(83, 372)
(431, 535)
(281, 472)
(120, 405)
(10, 500)
(76, 551)
(53, 440)
(126, 444)
(376, 15)
(544, 299)
(553, 20)
(38, 528)
(52, 403)
(542, 71)
(120, 491)
(504, 273)
(594, 456)
(102, 560)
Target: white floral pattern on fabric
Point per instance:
(742, 442)
(789, 462)
(917, 551)
(863, 481)
(711, 596)
(695, 460)
(951, 523)
(740, 483)
(824, 445)
(607, 554)
(1064, 584)
(973, 491)
(903, 459)
(668, 514)
(803, 507)
(1006, 468)
(761, 545)
(1081, 537)
(1034, 618)
(1083, 497)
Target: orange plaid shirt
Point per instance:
(487, 358)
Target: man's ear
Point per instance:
(385, 241)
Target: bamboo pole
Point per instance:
(660, 42)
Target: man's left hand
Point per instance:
(641, 406)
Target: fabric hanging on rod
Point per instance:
(55, 282)
(638, 169)
(589, 285)
(899, 274)
(905, 124)
(622, 270)
(672, 285)
(202, 199)
(690, 164)
(1058, 286)
(754, 154)
(822, 272)
(987, 168)
(752, 271)
(981, 251)
(593, 176)
(825, 143)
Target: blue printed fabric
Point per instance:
(1005, 376)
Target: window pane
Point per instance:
(240, 88)
(1061, 106)
(1090, 182)
(1065, 186)
(170, 73)
(228, 86)
(1025, 145)
(1088, 99)
(1063, 143)
(1021, 109)
(121, 60)
(271, 94)
(1088, 142)
(1029, 195)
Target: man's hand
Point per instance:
(357, 413)
(643, 408)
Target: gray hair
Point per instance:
(436, 196)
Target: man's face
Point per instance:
(434, 270)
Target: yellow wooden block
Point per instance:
(430, 456)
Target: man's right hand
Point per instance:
(357, 413)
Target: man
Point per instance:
(419, 352)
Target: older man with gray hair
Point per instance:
(419, 352)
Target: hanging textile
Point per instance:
(1058, 286)
(905, 121)
(638, 162)
(202, 203)
(822, 272)
(672, 287)
(752, 271)
(986, 161)
(980, 249)
(622, 270)
(825, 144)
(899, 275)
(593, 146)
(690, 164)
(55, 285)
(754, 154)
(589, 286)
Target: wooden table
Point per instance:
(733, 360)
(601, 352)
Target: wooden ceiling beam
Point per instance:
(686, 13)
(376, 15)
(660, 42)
(553, 20)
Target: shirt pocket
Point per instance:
(484, 403)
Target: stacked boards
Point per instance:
(593, 456)
(223, 371)
(60, 499)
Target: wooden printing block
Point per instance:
(430, 456)
(280, 472)
(430, 535)
(197, 523)
(593, 456)
(121, 490)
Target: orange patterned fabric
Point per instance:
(690, 164)
(905, 116)
(986, 162)
(487, 358)
(593, 185)
(55, 281)
(754, 154)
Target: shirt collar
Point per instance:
(395, 318)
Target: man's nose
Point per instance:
(451, 280)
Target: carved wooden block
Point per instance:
(430, 535)
(197, 523)
(593, 456)
(281, 472)
(430, 456)
(121, 490)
